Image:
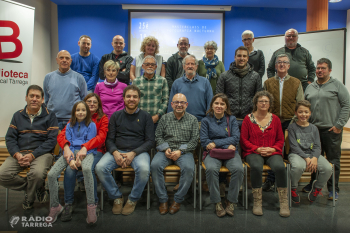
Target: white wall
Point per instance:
(45, 46)
(347, 65)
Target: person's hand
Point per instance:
(27, 159)
(269, 150)
(211, 146)
(259, 150)
(82, 153)
(67, 153)
(168, 153)
(231, 147)
(313, 165)
(308, 82)
(20, 158)
(308, 161)
(155, 118)
(175, 155)
(335, 130)
(119, 159)
(128, 157)
(262, 151)
(73, 165)
(123, 69)
(78, 162)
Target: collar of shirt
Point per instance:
(137, 110)
(35, 115)
(180, 118)
(195, 78)
(152, 79)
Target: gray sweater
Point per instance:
(304, 141)
(330, 104)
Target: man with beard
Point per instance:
(196, 88)
(174, 68)
(120, 56)
(154, 90)
(130, 136)
(176, 136)
(240, 83)
(86, 63)
(301, 65)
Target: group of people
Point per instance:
(171, 106)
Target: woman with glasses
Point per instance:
(210, 66)
(262, 142)
(149, 47)
(111, 90)
(219, 129)
(256, 56)
(101, 121)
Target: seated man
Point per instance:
(177, 136)
(130, 135)
(30, 140)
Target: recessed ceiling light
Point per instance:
(334, 1)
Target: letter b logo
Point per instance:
(12, 39)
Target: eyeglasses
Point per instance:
(263, 102)
(246, 39)
(283, 62)
(91, 102)
(209, 49)
(183, 44)
(179, 102)
(289, 36)
(190, 64)
(150, 64)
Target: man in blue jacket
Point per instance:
(30, 140)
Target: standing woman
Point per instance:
(214, 133)
(210, 67)
(256, 56)
(111, 90)
(101, 122)
(149, 47)
(262, 142)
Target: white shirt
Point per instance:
(281, 89)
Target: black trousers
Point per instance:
(331, 146)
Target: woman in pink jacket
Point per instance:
(111, 90)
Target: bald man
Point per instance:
(120, 56)
(177, 136)
(62, 88)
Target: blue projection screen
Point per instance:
(168, 27)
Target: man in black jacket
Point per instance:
(30, 140)
(120, 56)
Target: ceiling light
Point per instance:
(334, 1)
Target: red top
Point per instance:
(98, 141)
(252, 137)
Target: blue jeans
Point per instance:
(69, 180)
(186, 164)
(141, 166)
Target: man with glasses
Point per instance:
(301, 65)
(256, 56)
(154, 90)
(197, 89)
(177, 136)
(174, 69)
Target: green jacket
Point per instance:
(220, 68)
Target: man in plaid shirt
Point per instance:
(177, 136)
(154, 90)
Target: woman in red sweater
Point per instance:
(262, 142)
(101, 121)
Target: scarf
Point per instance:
(240, 72)
(210, 66)
(111, 85)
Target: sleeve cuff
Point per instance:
(163, 146)
(183, 147)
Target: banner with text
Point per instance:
(16, 50)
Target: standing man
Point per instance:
(86, 63)
(63, 87)
(330, 108)
(30, 140)
(177, 136)
(174, 67)
(240, 83)
(196, 88)
(120, 56)
(286, 91)
(256, 56)
(130, 136)
(301, 65)
(154, 90)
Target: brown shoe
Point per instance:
(230, 207)
(220, 211)
(163, 208)
(257, 207)
(176, 187)
(129, 207)
(118, 205)
(284, 206)
(174, 208)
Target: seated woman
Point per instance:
(305, 150)
(101, 122)
(214, 134)
(149, 47)
(262, 142)
(111, 90)
(210, 66)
